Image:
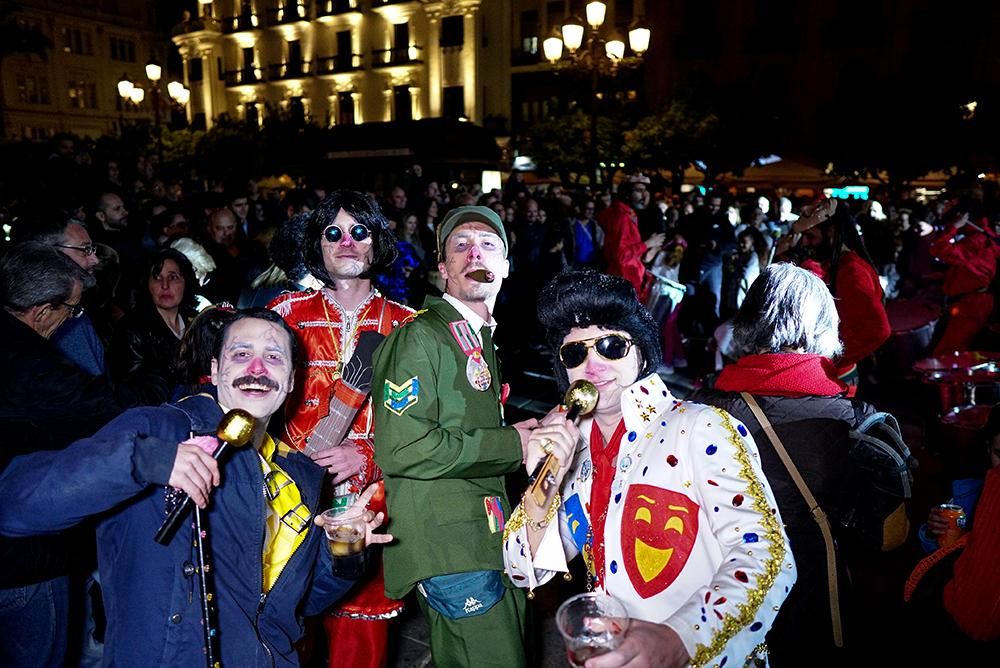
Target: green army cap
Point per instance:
(469, 214)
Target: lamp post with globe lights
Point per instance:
(154, 72)
(596, 54)
(175, 90)
(130, 92)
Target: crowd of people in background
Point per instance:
(147, 251)
(237, 240)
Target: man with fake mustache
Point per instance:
(444, 451)
(267, 557)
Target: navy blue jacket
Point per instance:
(152, 606)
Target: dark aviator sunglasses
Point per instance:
(609, 346)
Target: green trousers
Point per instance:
(492, 639)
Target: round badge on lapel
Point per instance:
(478, 373)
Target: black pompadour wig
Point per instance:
(363, 210)
(585, 298)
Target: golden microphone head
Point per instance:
(582, 396)
(236, 427)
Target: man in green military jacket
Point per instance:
(444, 452)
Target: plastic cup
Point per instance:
(345, 534)
(591, 624)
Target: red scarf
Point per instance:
(604, 459)
(782, 375)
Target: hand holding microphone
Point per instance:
(195, 474)
(553, 440)
(581, 399)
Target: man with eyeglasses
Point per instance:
(346, 242)
(77, 339)
(269, 561)
(46, 402)
(444, 451)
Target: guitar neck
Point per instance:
(332, 428)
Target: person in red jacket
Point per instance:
(971, 255)
(347, 240)
(624, 249)
(972, 596)
(839, 257)
(958, 599)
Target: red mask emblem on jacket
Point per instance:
(658, 531)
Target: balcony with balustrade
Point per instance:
(336, 7)
(348, 62)
(295, 69)
(287, 13)
(246, 76)
(402, 55)
(244, 22)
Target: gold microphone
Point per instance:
(581, 399)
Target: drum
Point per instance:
(949, 391)
(975, 360)
(912, 322)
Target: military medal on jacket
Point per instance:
(476, 369)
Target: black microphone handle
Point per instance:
(166, 531)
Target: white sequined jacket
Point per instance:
(693, 538)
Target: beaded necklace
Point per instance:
(350, 326)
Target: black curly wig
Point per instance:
(585, 298)
(363, 210)
(286, 247)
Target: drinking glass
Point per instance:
(591, 624)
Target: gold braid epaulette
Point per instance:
(731, 625)
(412, 316)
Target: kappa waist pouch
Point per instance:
(461, 595)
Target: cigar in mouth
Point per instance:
(482, 276)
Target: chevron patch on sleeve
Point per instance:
(398, 398)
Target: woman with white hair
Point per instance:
(786, 333)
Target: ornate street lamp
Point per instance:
(153, 70)
(598, 55)
(153, 73)
(178, 93)
(125, 87)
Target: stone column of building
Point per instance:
(470, 62)
(207, 95)
(433, 59)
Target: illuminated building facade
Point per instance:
(343, 62)
(73, 87)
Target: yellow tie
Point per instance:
(288, 520)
